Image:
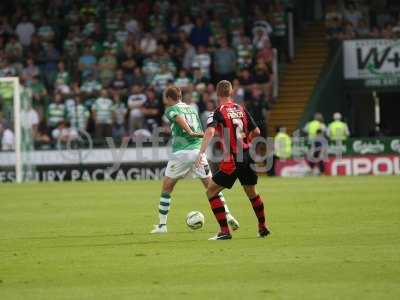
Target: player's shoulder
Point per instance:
(171, 112)
(169, 108)
(221, 107)
(177, 109)
(229, 108)
(230, 104)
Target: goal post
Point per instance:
(18, 115)
(17, 129)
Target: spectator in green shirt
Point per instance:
(107, 66)
(55, 113)
(39, 91)
(76, 113)
(91, 86)
(45, 31)
(62, 77)
(103, 115)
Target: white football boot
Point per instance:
(221, 236)
(161, 228)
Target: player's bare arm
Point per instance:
(181, 121)
(208, 135)
(254, 133)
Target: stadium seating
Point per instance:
(107, 63)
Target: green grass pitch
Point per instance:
(332, 238)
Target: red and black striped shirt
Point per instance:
(233, 125)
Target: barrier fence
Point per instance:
(356, 156)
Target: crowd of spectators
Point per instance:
(362, 19)
(101, 66)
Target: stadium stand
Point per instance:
(101, 66)
(362, 19)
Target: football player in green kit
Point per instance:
(187, 134)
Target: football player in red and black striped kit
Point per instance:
(236, 128)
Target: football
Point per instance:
(195, 220)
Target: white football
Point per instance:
(195, 220)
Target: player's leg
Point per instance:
(232, 222)
(248, 179)
(206, 182)
(258, 207)
(164, 205)
(214, 167)
(220, 181)
(165, 199)
(214, 188)
(218, 209)
(203, 172)
(176, 168)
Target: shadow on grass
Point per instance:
(85, 236)
(132, 243)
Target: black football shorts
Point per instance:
(243, 172)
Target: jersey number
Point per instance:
(238, 124)
(192, 121)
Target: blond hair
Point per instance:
(174, 93)
(224, 88)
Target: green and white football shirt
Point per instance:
(104, 108)
(181, 140)
(55, 114)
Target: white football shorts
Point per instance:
(182, 165)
